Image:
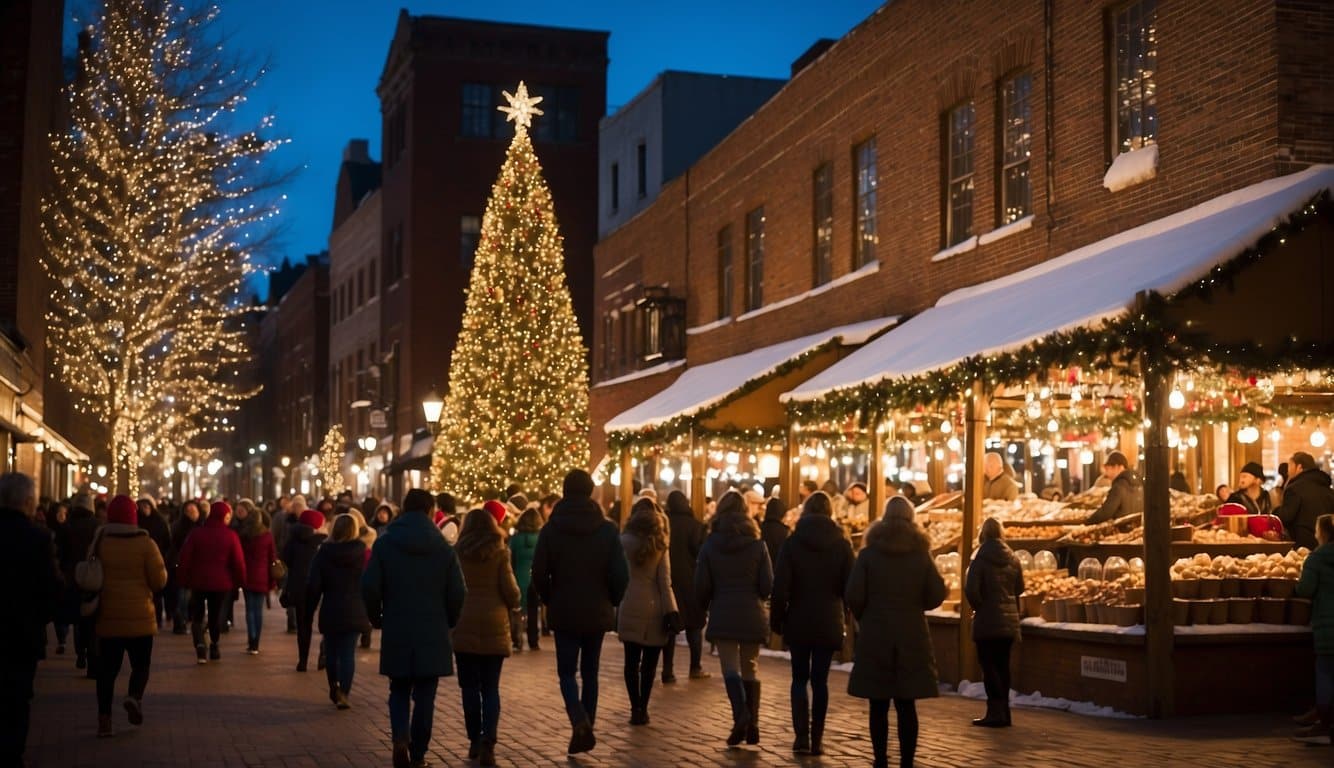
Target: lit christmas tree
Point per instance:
(517, 406)
(155, 210)
(331, 460)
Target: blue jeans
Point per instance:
(1324, 682)
(581, 652)
(254, 615)
(418, 693)
(811, 666)
(479, 681)
(340, 651)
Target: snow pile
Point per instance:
(955, 250)
(786, 656)
(1131, 168)
(1018, 225)
(1036, 700)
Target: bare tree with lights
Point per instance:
(156, 210)
(517, 406)
(331, 460)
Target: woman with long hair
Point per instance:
(648, 606)
(686, 537)
(732, 582)
(482, 635)
(893, 583)
(334, 586)
(260, 554)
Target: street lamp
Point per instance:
(432, 405)
(367, 443)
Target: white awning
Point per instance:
(706, 385)
(1078, 289)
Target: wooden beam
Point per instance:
(1159, 638)
(974, 446)
(627, 484)
(699, 481)
(790, 474)
(875, 474)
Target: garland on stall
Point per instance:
(1119, 345)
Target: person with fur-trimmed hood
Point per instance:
(893, 583)
(649, 605)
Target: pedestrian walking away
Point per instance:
(482, 638)
(178, 596)
(733, 579)
(77, 536)
(648, 611)
(893, 583)
(414, 591)
(581, 575)
(303, 540)
(1317, 584)
(261, 553)
(132, 573)
(159, 531)
(807, 608)
(334, 586)
(993, 585)
(212, 565)
(522, 546)
(686, 536)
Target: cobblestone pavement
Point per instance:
(257, 711)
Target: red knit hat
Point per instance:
(220, 510)
(123, 510)
(312, 517)
(497, 510)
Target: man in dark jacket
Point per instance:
(413, 588)
(160, 533)
(993, 586)
(1306, 497)
(27, 559)
(773, 530)
(581, 574)
(1125, 497)
(1250, 492)
(687, 537)
(77, 536)
(304, 538)
(178, 597)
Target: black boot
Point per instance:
(581, 736)
(817, 732)
(993, 718)
(753, 703)
(736, 694)
(801, 724)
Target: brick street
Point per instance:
(257, 711)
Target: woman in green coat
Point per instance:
(1317, 583)
(522, 546)
(893, 583)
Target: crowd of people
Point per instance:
(454, 593)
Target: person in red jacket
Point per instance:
(212, 564)
(260, 554)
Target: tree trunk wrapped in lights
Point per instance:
(155, 210)
(517, 406)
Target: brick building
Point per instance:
(297, 378)
(443, 145)
(942, 143)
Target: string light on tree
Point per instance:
(331, 459)
(517, 406)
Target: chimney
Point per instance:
(357, 151)
(814, 52)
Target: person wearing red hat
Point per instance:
(303, 540)
(133, 571)
(496, 510)
(212, 565)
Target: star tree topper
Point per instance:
(522, 107)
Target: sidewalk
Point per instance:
(257, 711)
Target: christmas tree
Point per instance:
(331, 460)
(153, 215)
(517, 406)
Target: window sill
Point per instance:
(1130, 168)
(719, 323)
(955, 250)
(867, 269)
(1000, 233)
(643, 374)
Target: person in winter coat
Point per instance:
(132, 572)
(893, 583)
(685, 540)
(366, 535)
(1126, 495)
(212, 565)
(993, 586)
(522, 546)
(177, 602)
(773, 530)
(160, 532)
(998, 479)
(303, 541)
(334, 586)
(414, 591)
(73, 546)
(57, 515)
(1317, 584)
(581, 574)
(733, 578)
(1306, 497)
(807, 609)
(27, 558)
(648, 606)
(384, 515)
(482, 636)
(260, 553)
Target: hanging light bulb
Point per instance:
(946, 427)
(1034, 409)
(954, 444)
(1045, 393)
(1053, 425)
(1318, 438)
(1193, 441)
(1086, 457)
(1076, 395)
(1177, 400)
(1248, 434)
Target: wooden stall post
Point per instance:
(875, 474)
(1157, 541)
(699, 480)
(974, 445)
(789, 476)
(1208, 458)
(627, 484)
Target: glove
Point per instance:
(672, 622)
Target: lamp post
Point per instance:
(432, 405)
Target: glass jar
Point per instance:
(1090, 568)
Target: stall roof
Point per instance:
(703, 386)
(1077, 289)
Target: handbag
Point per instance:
(672, 622)
(277, 570)
(90, 577)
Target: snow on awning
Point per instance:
(1077, 289)
(703, 386)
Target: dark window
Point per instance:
(822, 207)
(470, 234)
(395, 134)
(863, 251)
(608, 347)
(393, 257)
(361, 288)
(371, 284)
(959, 165)
(641, 161)
(1134, 63)
(755, 259)
(559, 120)
(1016, 190)
(615, 187)
(725, 272)
(478, 110)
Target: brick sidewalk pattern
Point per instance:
(258, 711)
